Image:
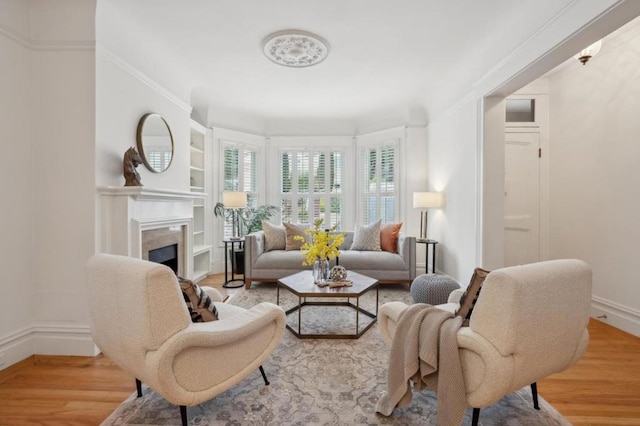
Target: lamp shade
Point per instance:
(427, 200)
(234, 200)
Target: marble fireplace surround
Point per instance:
(135, 220)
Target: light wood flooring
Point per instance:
(602, 389)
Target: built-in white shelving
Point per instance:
(198, 184)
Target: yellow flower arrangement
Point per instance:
(323, 245)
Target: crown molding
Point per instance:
(142, 77)
(47, 45)
(14, 35)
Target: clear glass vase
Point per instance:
(321, 271)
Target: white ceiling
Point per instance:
(390, 62)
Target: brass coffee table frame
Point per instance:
(301, 284)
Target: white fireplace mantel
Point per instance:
(126, 212)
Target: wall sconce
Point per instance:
(425, 201)
(588, 52)
(234, 200)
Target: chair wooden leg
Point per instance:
(139, 387)
(264, 376)
(534, 393)
(475, 417)
(183, 415)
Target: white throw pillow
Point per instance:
(275, 237)
(367, 237)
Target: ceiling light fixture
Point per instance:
(295, 48)
(588, 52)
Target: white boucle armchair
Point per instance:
(529, 322)
(140, 321)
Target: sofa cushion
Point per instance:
(275, 236)
(281, 259)
(389, 234)
(363, 260)
(470, 296)
(291, 231)
(367, 237)
(200, 305)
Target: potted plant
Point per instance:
(249, 219)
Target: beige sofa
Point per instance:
(387, 267)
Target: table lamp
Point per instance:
(425, 201)
(234, 200)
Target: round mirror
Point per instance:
(155, 142)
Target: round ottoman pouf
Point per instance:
(433, 289)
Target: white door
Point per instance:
(521, 198)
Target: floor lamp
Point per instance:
(425, 201)
(234, 200)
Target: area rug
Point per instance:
(322, 382)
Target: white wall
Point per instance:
(49, 168)
(123, 96)
(595, 172)
(452, 164)
(17, 287)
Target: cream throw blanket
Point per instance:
(423, 332)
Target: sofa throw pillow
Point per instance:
(200, 305)
(389, 234)
(367, 237)
(275, 236)
(291, 231)
(470, 296)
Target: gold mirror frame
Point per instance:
(155, 142)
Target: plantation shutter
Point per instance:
(240, 173)
(286, 185)
(311, 186)
(387, 184)
(231, 167)
(378, 184)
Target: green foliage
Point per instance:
(249, 218)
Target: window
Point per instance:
(311, 186)
(378, 185)
(240, 173)
(520, 110)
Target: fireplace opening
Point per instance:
(167, 255)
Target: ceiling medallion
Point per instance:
(295, 48)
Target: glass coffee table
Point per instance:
(301, 285)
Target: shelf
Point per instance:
(200, 249)
(201, 252)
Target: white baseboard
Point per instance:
(46, 339)
(616, 315)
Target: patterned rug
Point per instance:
(322, 382)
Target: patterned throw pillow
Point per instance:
(470, 296)
(291, 231)
(367, 237)
(200, 305)
(275, 236)
(389, 234)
